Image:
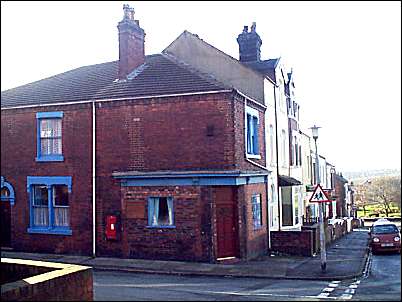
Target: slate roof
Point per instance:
(160, 74)
(266, 67)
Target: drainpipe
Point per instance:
(277, 161)
(93, 182)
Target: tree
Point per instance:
(387, 191)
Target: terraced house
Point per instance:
(150, 156)
(189, 154)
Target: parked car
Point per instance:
(384, 236)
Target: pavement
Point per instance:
(347, 258)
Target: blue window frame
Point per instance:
(252, 125)
(49, 204)
(256, 209)
(49, 136)
(160, 212)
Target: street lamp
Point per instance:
(323, 253)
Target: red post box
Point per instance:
(111, 227)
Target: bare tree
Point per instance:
(387, 191)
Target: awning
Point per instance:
(285, 181)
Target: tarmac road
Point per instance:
(130, 286)
(382, 282)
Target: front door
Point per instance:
(5, 216)
(226, 214)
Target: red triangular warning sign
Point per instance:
(319, 195)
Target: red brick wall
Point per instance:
(142, 135)
(253, 242)
(189, 240)
(293, 242)
(18, 152)
(158, 134)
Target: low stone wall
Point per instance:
(293, 242)
(45, 281)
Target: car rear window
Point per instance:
(385, 229)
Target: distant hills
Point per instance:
(365, 174)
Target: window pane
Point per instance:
(255, 135)
(287, 208)
(249, 134)
(40, 196)
(41, 216)
(256, 210)
(60, 195)
(61, 217)
(45, 128)
(5, 192)
(163, 218)
(40, 206)
(45, 146)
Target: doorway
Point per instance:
(226, 218)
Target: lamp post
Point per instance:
(323, 253)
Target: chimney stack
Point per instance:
(131, 43)
(249, 45)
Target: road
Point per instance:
(383, 282)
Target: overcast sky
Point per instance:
(346, 57)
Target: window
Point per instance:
(271, 207)
(271, 143)
(300, 156)
(287, 207)
(7, 191)
(256, 209)
(49, 144)
(283, 148)
(252, 132)
(160, 212)
(296, 204)
(49, 204)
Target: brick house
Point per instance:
(145, 157)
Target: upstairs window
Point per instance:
(49, 136)
(271, 143)
(252, 126)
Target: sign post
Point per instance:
(320, 196)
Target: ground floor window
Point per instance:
(287, 207)
(160, 212)
(256, 209)
(49, 204)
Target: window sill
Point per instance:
(50, 231)
(160, 226)
(256, 156)
(50, 158)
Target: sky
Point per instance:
(346, 57)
